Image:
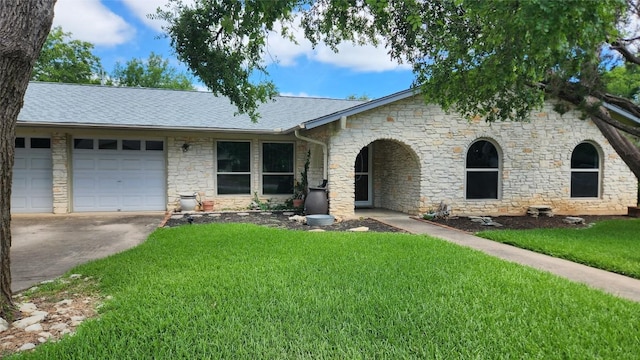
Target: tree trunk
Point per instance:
(627, 150)
(24, 25)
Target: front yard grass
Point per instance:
(612, 245)
(242, 291)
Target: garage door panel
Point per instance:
(154, 165)
(19, 185)
(108, 182)
(108, 164)
(131, 164)
(40, 183)
(41, 164)
(121, 180)
(133, 201)
(19, 163)
(84, 202)
(18, 202)
(83, 164)
(32, 186)
(109, 202)
(136, 185)
(154, 182)
(84, 183)
(41, 202)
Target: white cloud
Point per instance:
(300, 94)
(359, 58)
(90, 20)
(142, 8)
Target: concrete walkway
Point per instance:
(615, 284)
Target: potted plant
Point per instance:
(298, 194)
(302, 186)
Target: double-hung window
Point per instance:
(233, 167)
(277, 168)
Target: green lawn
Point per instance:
(612, 245)
(247, 292)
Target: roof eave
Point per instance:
(151, 127)
(369, 105)
(620, 111)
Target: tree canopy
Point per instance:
(495, 59)
(67, 60)
(154, 72)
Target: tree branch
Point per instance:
(626, 54)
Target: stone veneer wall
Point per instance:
(424, 150)
(195, 171)
(60, 161)
(396, 175)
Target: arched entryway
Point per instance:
(387, 175)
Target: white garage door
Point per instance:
(118, 175)
(32, 189)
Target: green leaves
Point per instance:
(154, 72)
(222, 42)
(487, 58)
(63, 59)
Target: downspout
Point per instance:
(325, 152)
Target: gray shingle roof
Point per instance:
(92, 105)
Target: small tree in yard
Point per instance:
(24, 26)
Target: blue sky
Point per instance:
(120, 31)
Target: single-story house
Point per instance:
(84, 148)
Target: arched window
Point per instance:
(483, 171)
(585, 171)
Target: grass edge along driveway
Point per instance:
(612, 245)
(243, 291)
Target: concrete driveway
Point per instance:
(46, 246)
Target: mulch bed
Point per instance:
(523, 222)
(275, 220)
(281, 220)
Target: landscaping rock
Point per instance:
(298, 218)
(58, 326)
(33, 328)
(27, 307)
(573, 220)
(4, 325)
(537, 210)
(34, 319)
(359, 229)
(484, 220)
(27, 346)
(77, 320)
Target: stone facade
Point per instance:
(419, 155)
(194, 171)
